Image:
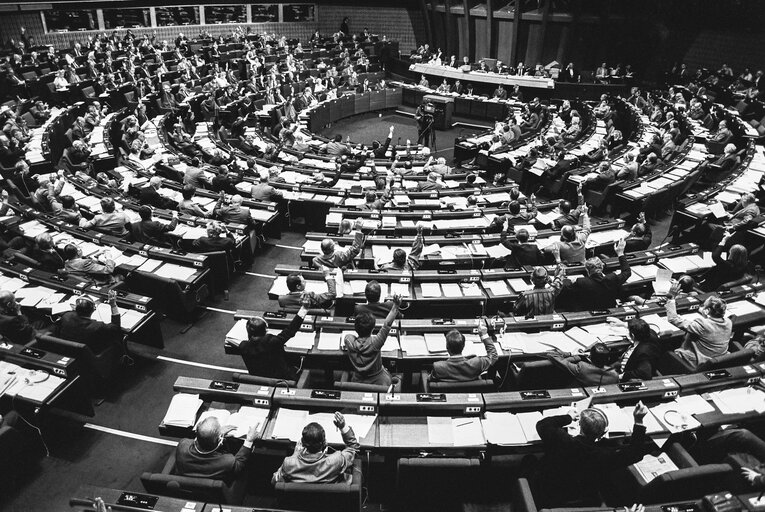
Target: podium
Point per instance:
(444, 110)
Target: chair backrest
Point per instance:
(687, 483)
(420, 481)
(262, 381)
(727, 361)
(541, 374)
(344, 496)
(184, 487)
(473, 386)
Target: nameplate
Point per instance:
(31, 352)
(680, 507)
(599, 312)
(632, 386)
(224, 386)
(717, 374)
(447, 271)
(442, 321)
(431, 397)
(323, 394)
(535, 395)
(274, 314)
(131, 499)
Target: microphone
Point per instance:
(393, 382)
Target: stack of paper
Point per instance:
(503, 428)
(289, 424)
(431, 290)
(651, 467)
(360, 423)
(435, 342)
(329, 341)
(302, 340)
(414, 345)
(238, 333)
(183, 410)
(455, 431)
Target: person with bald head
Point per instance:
(598, 290)
(541, 299)
(78, 325)
(109, 220)
(311, 462)
(232, 212)
(151, 197)
(332, 257)
(14, 325)
(205, 456)
(571, 246)
(263, 352)
(573, 467)
(44, 252)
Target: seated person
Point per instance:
(459, 368)
(148, 231)
(571, 246)
(726, 271)
(597, 290)
(187, 206)
(604, 177)
(331, 257)
(592, 459)
(640, 235)
(373, 306)
(232, 212)
(262, 191)
(312, 463)
(90, 267)
(642, 356)
(432, 183)
(298, 297)
(108, 221)
(569, 216)
(65, 208)
(541, 299)
(402, 260)
(44, 252)
(523, 251)
(151, 197)
(263, 353)
(14, 325)
(364, 348)
(215, 239)
(589, 370)
(78, 325)
(705, 337)
(205, 456)
(629, 170)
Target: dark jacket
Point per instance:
(211, 244)
(464, 369)
(376, 309)
(150, 196)
(152, 231)
(16, 328)
(643, 360)
(522, 254)
(600, 291)
(189, 461)
(93, 333)
(264, 355)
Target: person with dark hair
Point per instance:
(311, 463)
(44, 252)
(373, 306)
(642, 356)
(109, 220)
(218, 238)
(14, 325)
(590, 370)
(263, 191)
(91, 266)
(298, 297)
(380, 150)
(574, 467)
(541, 299)
(205, 457)
(571, 246)
(78, 325)
(344, 26)
(335, 147)
(188, 206)
(332, 257)
(569, 216)
(364, 348)
(523, 252)
(598, 290)
(640, 235)
(150, 231)
(411, 261)
(65, 208)
(726, 272)
(263, 353)
(194, 175)
(706, 336)
(459, 368)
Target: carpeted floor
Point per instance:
(81, 455)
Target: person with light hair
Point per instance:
(331, 257)
(233, 211)
(706, 336)
(205, 456)
(599, 290)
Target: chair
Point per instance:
(417, 475)
(729, 360)
(246, 378)
(346, 384)
(194, 488)
(598, 198)
(101, 366)
(481, 385)
(343, 496)
(689, 481)
(542, 374)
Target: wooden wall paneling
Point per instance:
(492, 49)
(439, 37)
(504, 40)
(463, 26)
(481, 39)
(428, 25)
(514, 53)
(562, 43)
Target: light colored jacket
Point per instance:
(321, 467)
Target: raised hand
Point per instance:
(339, 420)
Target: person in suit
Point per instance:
(331, 257)
(573, 467)
(590, 370)
(726, 272)
(569, 216)
(459, 368)
(541, 299)
(263, 191)
(640, 235)
(44, 252)
(78, 325)
(723, 134)
(335, 147)
(570, 74)
(298, 297)
(642, 356)
(706, 336)
(500, 92)
(14, 325)
(364, 348)
(604, 177)
(597, 290)
(215, 239)
(571, 246)
(150, 231)
(205, 457)
(232, 212)
(65, 208)
(411, 261)
(378, 149)
(194, 175)
(373, 306)
(312, 463)
(151, 197)
(263, 353)
(523, 252)
(90, 267)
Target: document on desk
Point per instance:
(503, 429)
(150, 265)
(497, 251)
(245, 418)
(528, 421)
(645, 271)
(739, 400)
(673, 418)
(382, 254)
(129, 318)
(358, 286)
(14, 284)
(651, 467)
(238, 333)
(693, 404)
(431, 290)
(467, 432)
(280, 286)
(451, 290)
(31, 296)
(547, 218)
(661, 325)
(440, 431)
(526, 343)
(519, 285)
(182, 411)
(471, 290)
(360, 423)
(329, 341)
(431, 249)
(289, 424)
(399, 289)
(620, 419)
(435, 342)
(498, 287)
(302, 340)
(741, 308)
